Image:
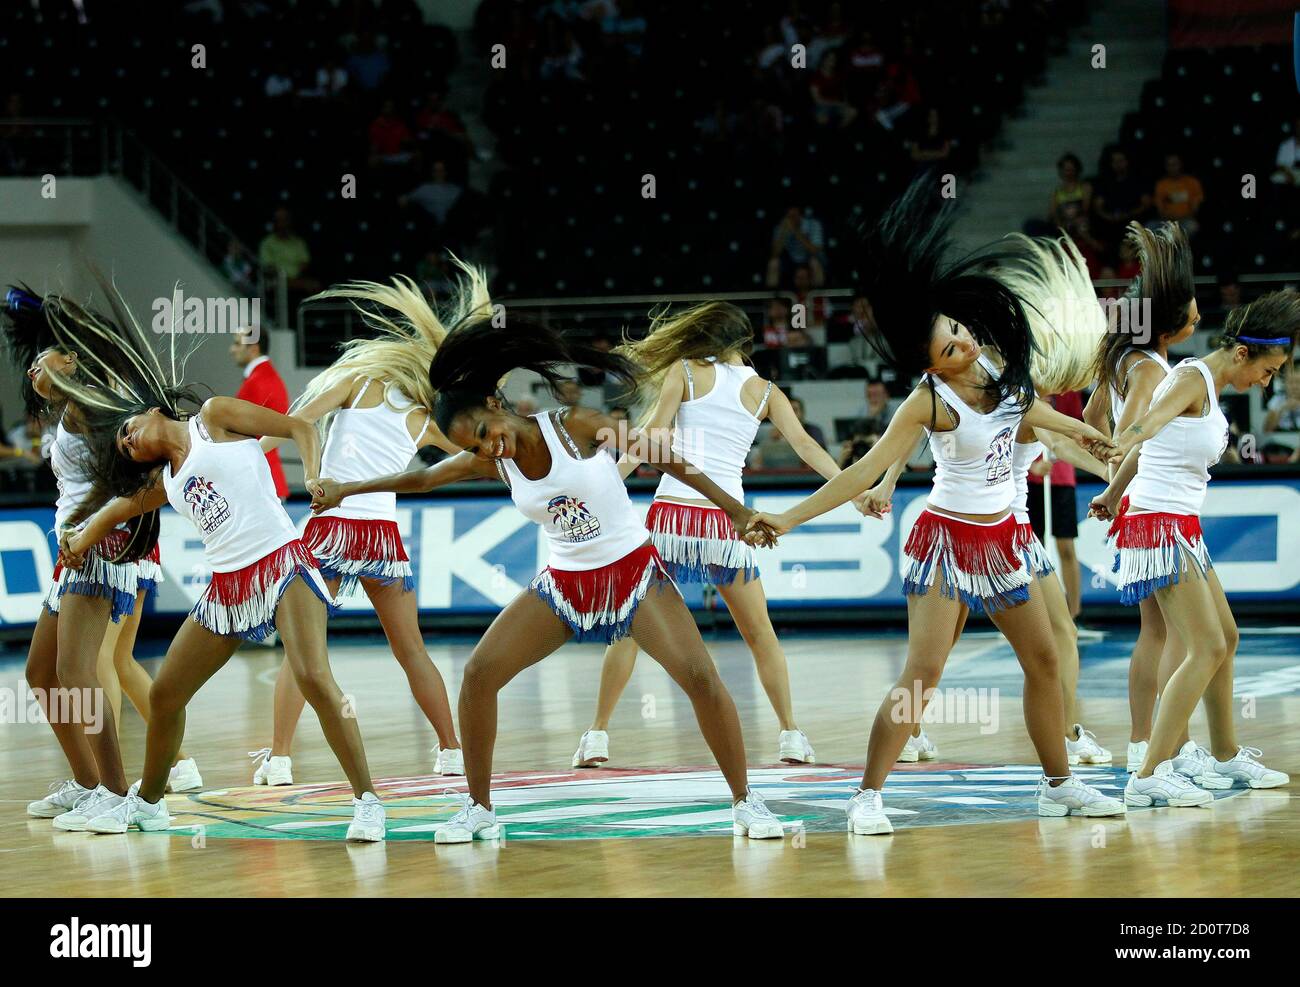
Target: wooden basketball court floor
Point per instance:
(656, 820)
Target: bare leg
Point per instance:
(1191, 606)
(300, 619)
(748, 605)
(1029, 630)
(194, 657)
(82, 623)
(956, 636)
(134, 679)
(1070, 577)
(1171, 656)
(1218, 697)
(287, 710)
(667, 631)
(1142, 670)
(524, 633)
(615, 673)
(43, 679)
(932, 624)
(1066, 636)
(106, 672)
(400, 618)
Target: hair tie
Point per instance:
(16, 299)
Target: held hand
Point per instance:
(761, 536)
(324, 494)
(1105, 505)
(876, 502)
(71, 551)
(1040, 467)
(778, 524)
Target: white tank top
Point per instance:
(1022, 457)
(581, 504)
(364, 443)
(67, 456)
(1174, 464)
(973, 468)
(714, 432)
(226, 489)
(1116, 401)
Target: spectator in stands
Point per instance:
(830, 34)
(815, 312)
(624, 23)
(866, 68)
(813, 430)
(286, 254)
(443, 131)
(1179, 195)
(898, 91)
(437, 197)
(773, 452)
(1118, 199)
(390, 137)
(830, 109)
(1072, 197)
(368, 65)
(1284, 407)
(931, 144)
(262, 385)
(279, 82)
(874, 415)
(797, 241)
(23, 442)
(855, 447)
(776, 330)
(237, 266)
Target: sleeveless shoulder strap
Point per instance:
(501, 472)
(365, 386)
(690, 380)
(199, 429)
(762, 405)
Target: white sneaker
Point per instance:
(1245, 767)
(449, 762)
(919, 748)
(273, 770)
(867, 814)
(472, 822)
(1197, 763)
(1165, 785)
(367, 824)
(1137, 753)
(89, 805)
(751, 817)
(1084, 749)
(63, 796)
(184, 777)
(593, 749)
(148, 817)
(793, 748)
(1072, 795)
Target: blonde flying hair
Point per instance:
(409, 331)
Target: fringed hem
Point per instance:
(599, 604)
(350, 550)
(243, 603)
(149, 570)
(977, 564)
(1033, 551)
(117, 582)
(1155, 550)
(700, 544)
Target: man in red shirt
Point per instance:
(262, 385)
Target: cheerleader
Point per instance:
(377, 400)
(1130, 365)
(1168, 454)
(100, 604)
(146, 451)
(968, 333)
(696, 365)
(604, 579)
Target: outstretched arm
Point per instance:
(1043, 415)
(74, 543)
(1185, 396)
(315, 409)
(661, 419)
(327, 493)
(243, 418)
(782, 415)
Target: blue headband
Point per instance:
(1261, 341)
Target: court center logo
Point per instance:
(571, 517)
(208, 508)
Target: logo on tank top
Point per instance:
(208, 507)
(999, 457)
(572, 519)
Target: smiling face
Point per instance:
(1258, 372)
(952, 347)
(140, 437)
(48, 362)
(489, 433)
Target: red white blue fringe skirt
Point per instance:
(1155, 550)
(699, 544)
(978, 564)
(599, 604)
(351, 549)
(243, 603)
(150, 570)
(117, 582)
(1033, 551)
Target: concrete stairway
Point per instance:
(1078, 109)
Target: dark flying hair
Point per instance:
(476, 355)
(26, 335)
(1269, 323)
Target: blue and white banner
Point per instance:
(474, 554)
